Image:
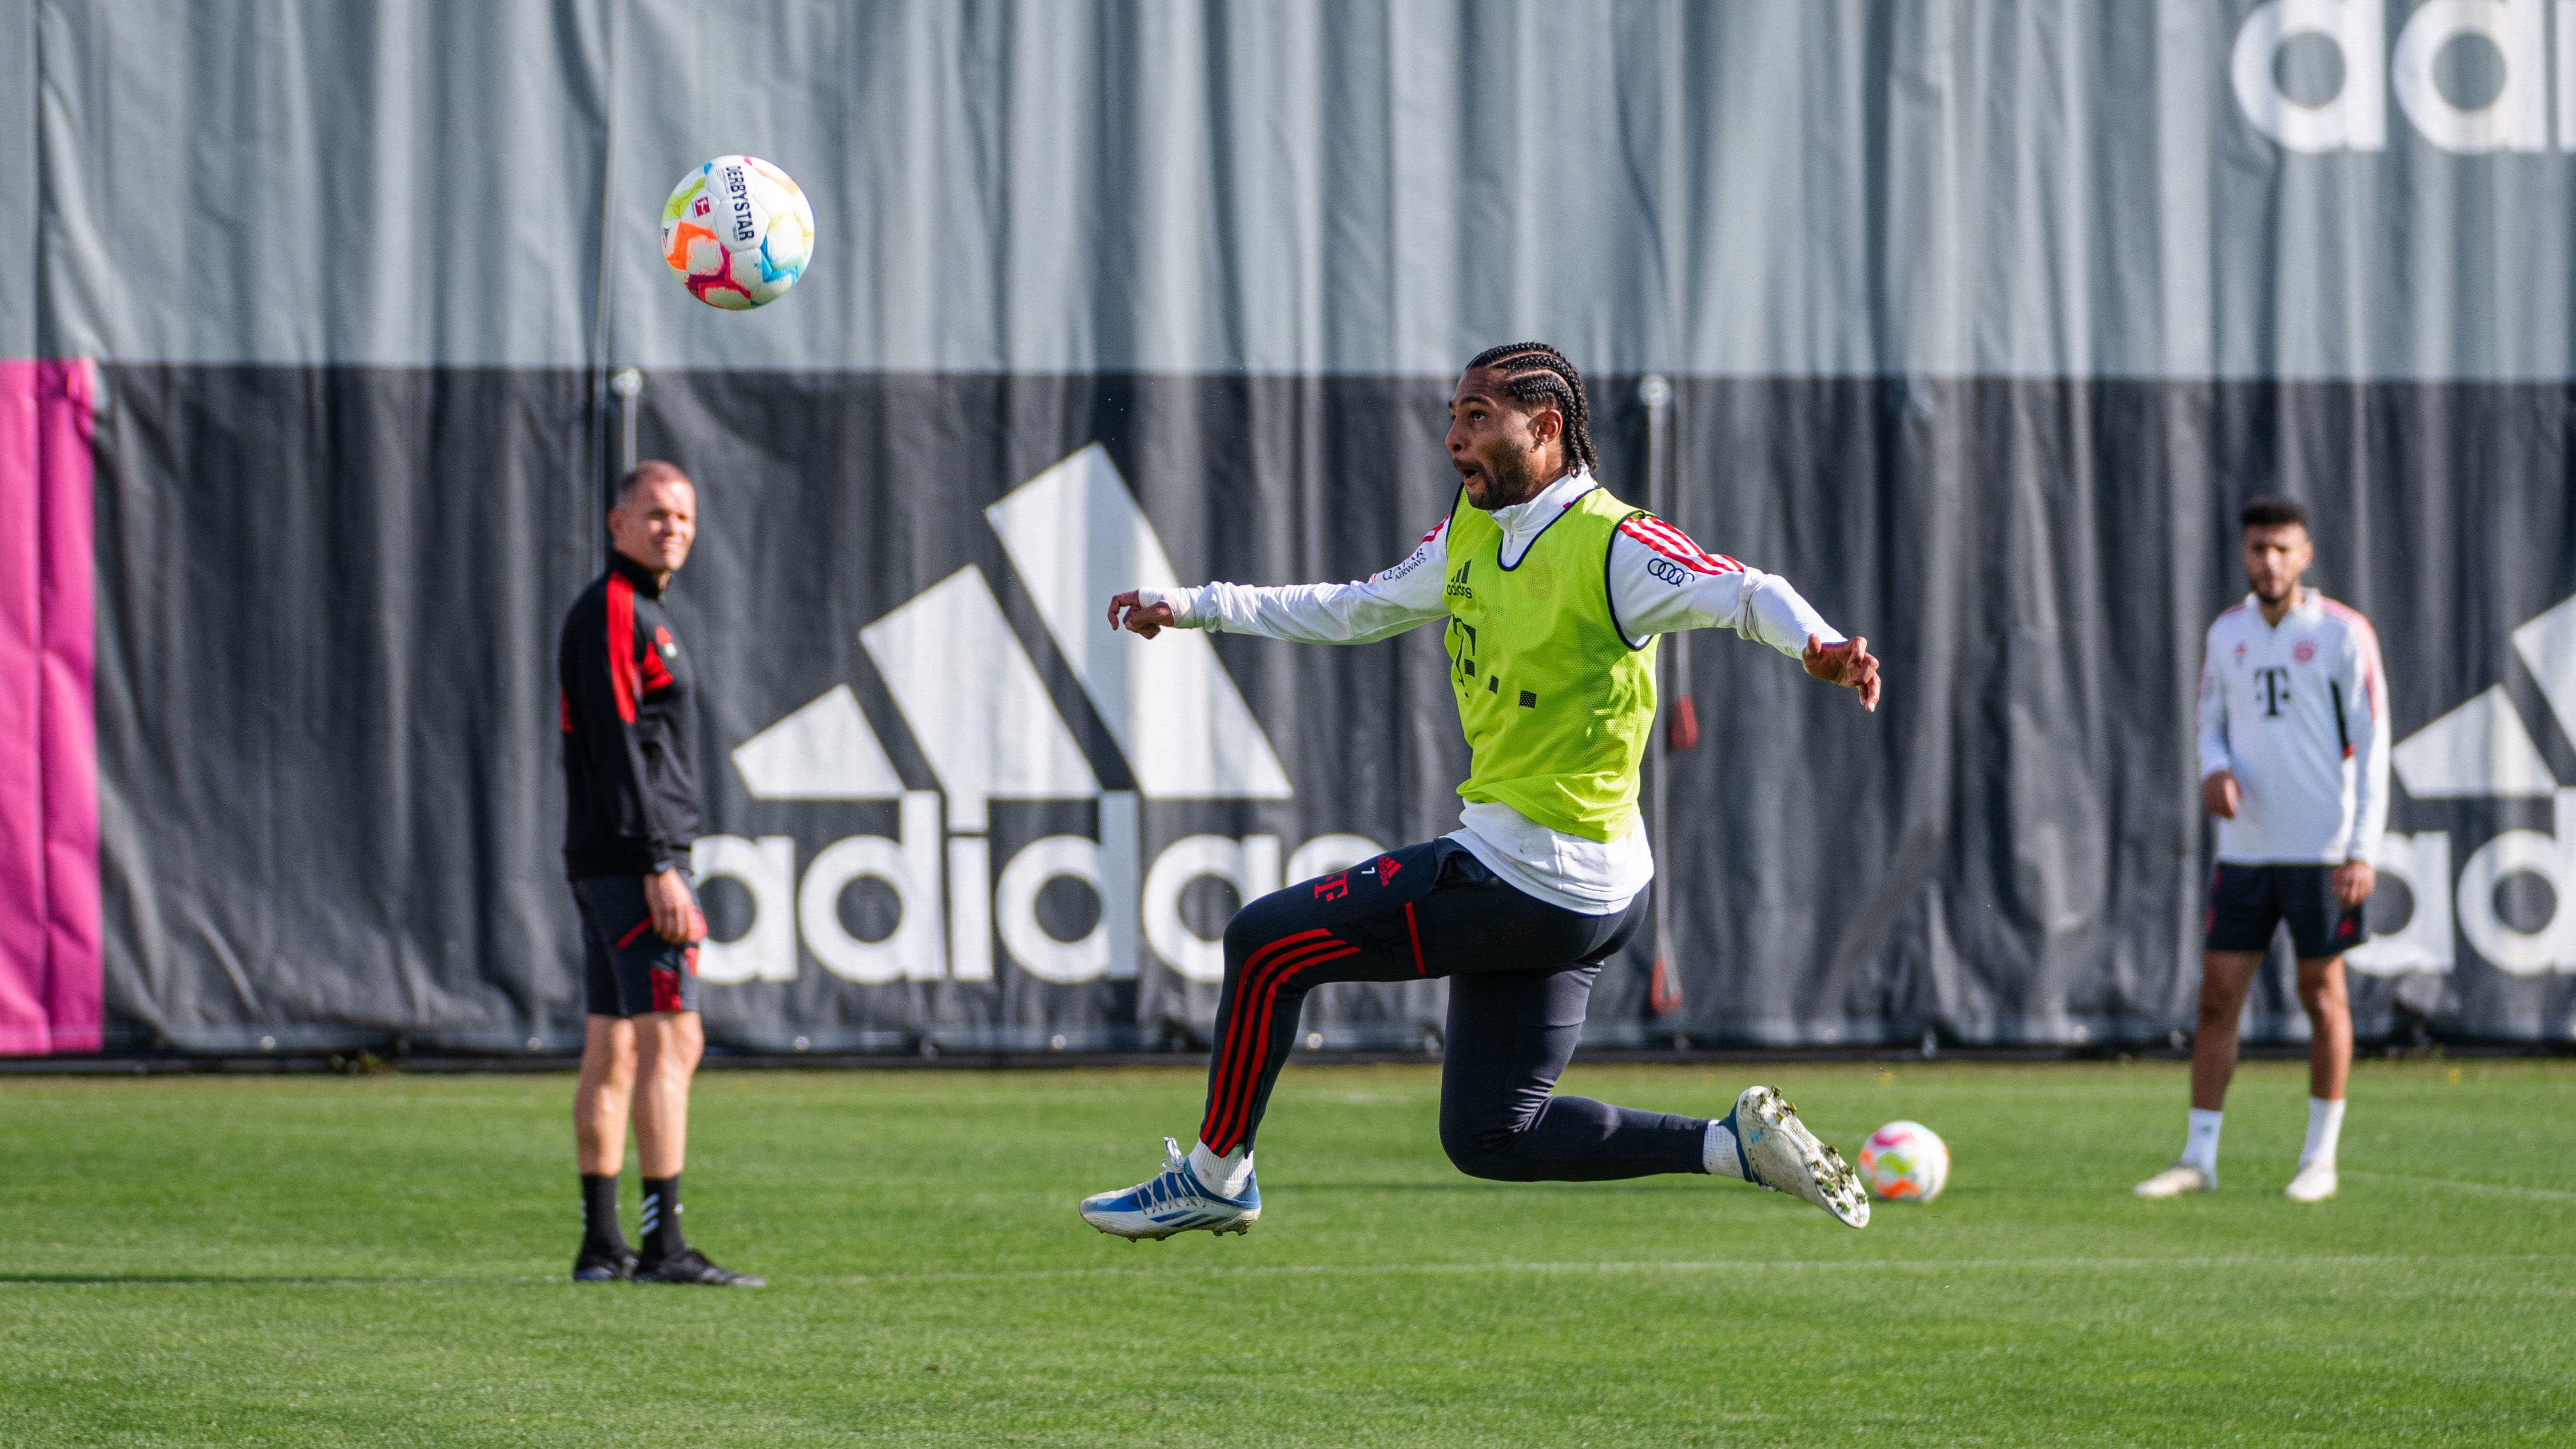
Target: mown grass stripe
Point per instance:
(1382, 1270)
(2458, 1184)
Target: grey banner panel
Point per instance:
(938, 810)
(18, 176)
(326, 701)
(2053, 188)
(321, 182)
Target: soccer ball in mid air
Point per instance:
(738, 232)
(1905, 1160)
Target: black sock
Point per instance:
(662, 1237)
(599, 1212)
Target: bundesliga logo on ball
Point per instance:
(1905, 1160)
(738, 232)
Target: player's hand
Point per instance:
(1849, 664)
(1129, 611)
(2354, 880)
(675, 915)
(2219, 795)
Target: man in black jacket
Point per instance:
(630, 795)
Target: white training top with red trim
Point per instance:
(1660, 583)
(2299, 712)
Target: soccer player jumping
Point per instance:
(1552, 593)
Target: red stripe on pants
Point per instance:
(1244, 1081)
(1236, 1044)
(1242, 1078)
(1232, 1046)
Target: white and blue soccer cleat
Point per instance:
(1172, 1201)
(1781, 1154)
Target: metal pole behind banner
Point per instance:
(597, 452)
(1664, 992)
(626, 382)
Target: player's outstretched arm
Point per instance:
(1849, 664)
(1380, 606)
(1662, 582)
(1130, 612)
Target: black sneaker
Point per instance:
(604, 1265)
(691, 1266)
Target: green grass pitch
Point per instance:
(382, 1261)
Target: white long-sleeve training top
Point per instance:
(2299, 712)
(1660, 583)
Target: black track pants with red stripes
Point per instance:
(1520, 973)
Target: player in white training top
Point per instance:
(2294, 763)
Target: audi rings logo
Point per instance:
(1667, 570)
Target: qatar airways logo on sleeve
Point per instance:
(988, 729)
(2531, 43)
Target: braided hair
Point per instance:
(1538, 375)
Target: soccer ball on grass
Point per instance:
(738, 232)
(1905, 1160)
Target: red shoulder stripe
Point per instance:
(1676, 545)
(2350, 615)
(623, 680)
(2370, 680)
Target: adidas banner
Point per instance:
(1981, 318)
(946, 804)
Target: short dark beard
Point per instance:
(1525, 485)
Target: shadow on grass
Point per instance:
(1480, 1186)
(250, 1280)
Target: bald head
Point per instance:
(651, 470)
(656, 517)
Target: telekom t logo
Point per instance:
(2274, 684)
(2355, 118)
(989, 730)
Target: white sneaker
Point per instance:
(1172, 1201)
(2315, 1183)
(2176, 1180)
(1786, 1157)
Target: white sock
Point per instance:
(1718, 1153)
(2200, 1144)
(2325, 1125)
(1225, 1176)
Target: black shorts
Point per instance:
(2247, 901)
(627, 969)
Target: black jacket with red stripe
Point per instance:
(630, 787)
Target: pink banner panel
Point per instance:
(25, 1024)
(49, 894)
(73, 991)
